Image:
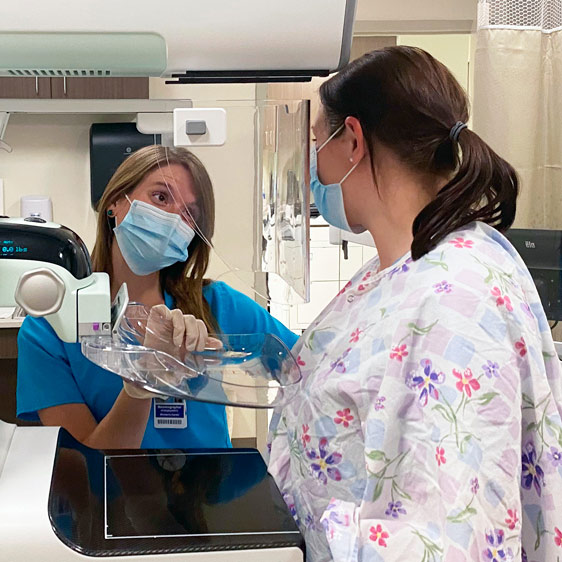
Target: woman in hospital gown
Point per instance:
(428, 426)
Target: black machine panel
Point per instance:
(541, 251)
(110, 144)
(119, 503)
(32, 241)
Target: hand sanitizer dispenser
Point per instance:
(38, 206)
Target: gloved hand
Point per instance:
(174, 333)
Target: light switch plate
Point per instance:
(215, 121)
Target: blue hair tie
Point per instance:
(456, 129)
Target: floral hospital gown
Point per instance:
(428, 424)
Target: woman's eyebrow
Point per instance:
(174, 194)
(172, 191)
(163, 183)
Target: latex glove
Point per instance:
(137, 392)
(174, 332)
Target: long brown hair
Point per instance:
(184, 281)
(408, 101)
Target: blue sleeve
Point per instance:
(44, 375)
(238, 314)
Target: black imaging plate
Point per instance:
(119, 503)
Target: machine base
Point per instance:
(149, 505)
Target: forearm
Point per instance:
(124, 425)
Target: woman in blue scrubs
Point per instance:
(155, 217)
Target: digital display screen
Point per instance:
(21, 240)
(10, 248)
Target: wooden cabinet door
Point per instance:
(99, 88)
(20, 87)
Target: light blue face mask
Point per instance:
(329, 198)
(151, 239)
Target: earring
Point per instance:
(109, 213)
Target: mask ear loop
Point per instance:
(110, 216)
(199, 232)
(350, 170)
(340, 128)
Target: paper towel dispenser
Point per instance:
(110, 144)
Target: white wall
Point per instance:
(50, 157)
(416, 10)
(415, 16)
(452, 50)
(455, 51)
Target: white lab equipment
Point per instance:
(36, 206)
(75, 301)
(145, 504)
(214, 41)
(338, 235)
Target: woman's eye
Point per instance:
(160, 197)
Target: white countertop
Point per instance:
(6, 320)
(10, 322)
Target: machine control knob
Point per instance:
(40, 292)
(35, 219)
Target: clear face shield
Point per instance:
(262, 190)
(260, 247)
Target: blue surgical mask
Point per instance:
(151, 239)
(329, 198)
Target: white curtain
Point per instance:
(517, 104)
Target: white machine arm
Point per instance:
(45, 269)
(194, 41)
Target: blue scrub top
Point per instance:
(52, 372)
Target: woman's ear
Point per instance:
(117, 210)
(358, 143)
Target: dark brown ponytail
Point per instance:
(484, 188)
(408, 101)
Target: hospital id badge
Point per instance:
(170, 413)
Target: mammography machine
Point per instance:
(61, 501)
